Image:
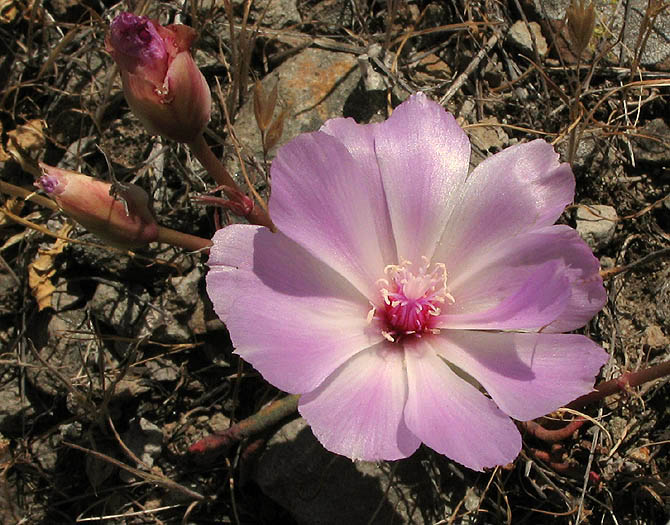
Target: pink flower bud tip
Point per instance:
(127, 222)
(161, 82)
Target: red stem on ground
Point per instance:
(220, 174)
(626, 380)
(552, 436)
(218, 443)
(602, 390)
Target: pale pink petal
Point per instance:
(539, 301)
(359, 139)
(527, 374)
(519, 189)
(332, 207)
(451, 416)
(423, 155)
(358, 410)
(289, 315)
(500, 272)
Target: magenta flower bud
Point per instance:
(161, 82)
(126, 223)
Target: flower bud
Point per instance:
(126, 222)
(161, 82)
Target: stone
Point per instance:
(119, 306)
(162, 370)
(278, 14)
(145, 440)
(487, 137)
(14, 411)
(596, 223)
(318, 487)
(652, 143)
(654, 337)
(520, 36)
(62, 339)
(617, 15)
(179, 312)
(218, 422)
(313, 87)
(10, 293)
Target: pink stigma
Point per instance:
(412, 300)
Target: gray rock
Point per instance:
(145, 440)
(62, 341)
(520, 36)
(120, 306)
(279, 13)
(313, 87)
(14, 410)
(179, 313)
(652, 145)
(490, 137)
(629, 16)
(596, 223)
(318, 487)
(332, 15)
(9, 294)
(162, 370)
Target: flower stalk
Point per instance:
(216, 169)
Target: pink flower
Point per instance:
(126, 223)
(400, 287)
(162, 84)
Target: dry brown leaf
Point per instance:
(28, 137)
(9, 10)
(12, 205)
(41, 270)
(275, 131)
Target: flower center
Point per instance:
(411, 299)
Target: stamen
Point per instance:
(411, 299)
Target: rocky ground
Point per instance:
(112, 364)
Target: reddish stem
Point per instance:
(552, 436)
(220, 174)
(627, 380)
(218, 443)
(183, 240)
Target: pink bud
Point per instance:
(162, 84)
(127, 222)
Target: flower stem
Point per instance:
(183, 240)
(215, 444)
(220, 174)
(627, 380)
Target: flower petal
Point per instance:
(539, 301)
(423, 155)
(358, 410)
(498, 274)
(333, 207)
(293, 318)
(359, 139)
(520, 189)
(451, 416)
(527, 375)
